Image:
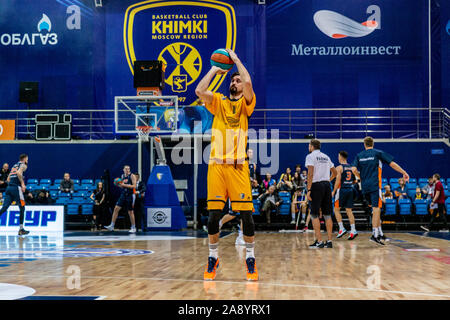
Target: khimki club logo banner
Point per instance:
(337, 26)
(182, 34)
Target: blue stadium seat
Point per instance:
(87, 182)
(76, 181)
(44, 186)
(88, 200)
(285, 208)
(62, 201)
(72, 209)
(76, 200)
(448, 181)
(53, 194)
(447, 204)
(405, 206)
(64, 195)
(32, 181)
(53, 187)
(45, 181)
(80, 194)
(411, 185)
(84, 188)
(423, 180)
(256, 204)
(391, 205)
(394, 186)
(413, 180)
(57, 182)
(87, 209)
(421, 207)
(393, 180)
(384, 180)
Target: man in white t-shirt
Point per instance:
(319, 191)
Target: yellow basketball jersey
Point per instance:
(229, 130)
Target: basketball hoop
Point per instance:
(144, 132)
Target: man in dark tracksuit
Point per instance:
(15, 190)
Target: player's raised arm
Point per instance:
(245, 77)
(202, 88)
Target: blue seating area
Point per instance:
(391, 207)
(77, 203)
(285, 208)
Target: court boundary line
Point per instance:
(245, 282)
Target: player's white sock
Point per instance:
(21, 227)
(220, 224)
(250, 250)
(353, 228)
(380, 232)
(293, 216)
(240, 233)
(214, 250)
(375, 232)
(112, 224)
(341, 225)
(303, 216)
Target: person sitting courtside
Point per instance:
(270, 200)
(401, 192)
(67, 184)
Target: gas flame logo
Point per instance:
(44, 24)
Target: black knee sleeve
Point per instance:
(213, 221)
(248, 224)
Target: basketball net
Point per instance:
(144, 132)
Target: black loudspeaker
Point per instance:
(148, 73)
(28, 92)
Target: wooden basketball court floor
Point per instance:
(170, 265)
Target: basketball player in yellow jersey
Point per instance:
(228, 171)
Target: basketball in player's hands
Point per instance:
(118, 181)
(221, 59)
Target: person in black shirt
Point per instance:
(42, 197)
(67, 184)
(139, 203)
(270, 200)
(4, 173)
(99, 196)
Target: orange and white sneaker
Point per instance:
(210, 271)
(252, 272)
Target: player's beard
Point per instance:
(233, 90)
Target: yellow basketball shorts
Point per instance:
(229, 181)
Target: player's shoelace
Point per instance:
(211, 264)
(251, 265)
